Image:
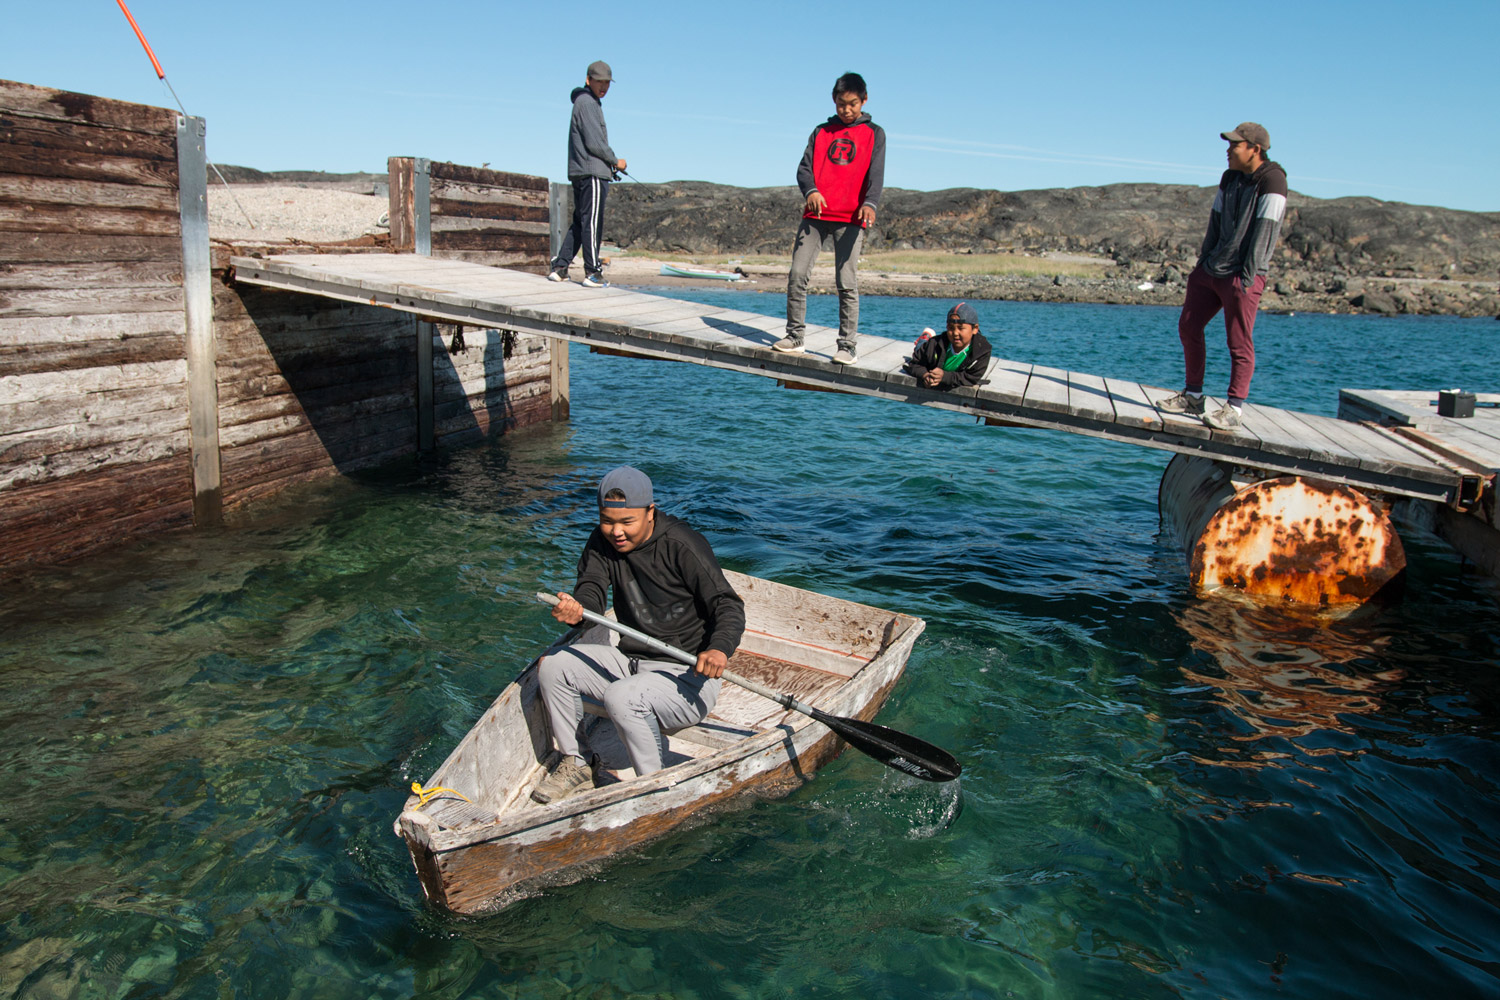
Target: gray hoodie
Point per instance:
(589, 154)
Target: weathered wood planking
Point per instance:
(311, 387)
(471, 211)
(94, 442)
(94, 409)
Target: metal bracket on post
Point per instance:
(198, 315)
(422, 192)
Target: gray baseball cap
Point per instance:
(964, 313)
(599, 70)
(634, 483)
(1251, 132)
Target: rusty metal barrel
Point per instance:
(1288, 539)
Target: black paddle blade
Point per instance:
(898, 750)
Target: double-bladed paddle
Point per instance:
(894, 749)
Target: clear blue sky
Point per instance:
(1398, 101)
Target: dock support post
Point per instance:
(425, 403)
(558, 216)
(558, 375)
(198, 314)
(411, 231)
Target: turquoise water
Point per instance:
(207, 738)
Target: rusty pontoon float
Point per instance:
(479, 855)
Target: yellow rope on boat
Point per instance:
(425, 795)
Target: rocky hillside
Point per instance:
(1343, 254)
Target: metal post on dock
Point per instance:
(198, 314)
(422, 205)
(558, 215)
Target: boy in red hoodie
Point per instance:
(841, 177)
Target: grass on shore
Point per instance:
(926, 262)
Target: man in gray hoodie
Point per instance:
(1243, 228)
(591, 166)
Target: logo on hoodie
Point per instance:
(841, 151)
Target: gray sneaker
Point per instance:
(843, 357)
(786, 345)
(557, 275)
(1183, 402)
(1225, 418)
(564, 779)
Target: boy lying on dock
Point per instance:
(961, 356)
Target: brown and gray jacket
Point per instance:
(1245, 223)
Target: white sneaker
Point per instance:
(557, 275)
(843, 357)
(1225, 418)
(594, 281)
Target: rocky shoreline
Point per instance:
(1346, 255)
(1159, 286)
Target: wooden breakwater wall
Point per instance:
(141, 391)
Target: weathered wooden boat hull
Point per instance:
(475, 858)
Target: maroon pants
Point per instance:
(1206, 295)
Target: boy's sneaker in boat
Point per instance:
(565, 779)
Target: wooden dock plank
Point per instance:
(879, 357)
(1132, 408)
(1008, 382)
(1088, 397)
(1373, 452)
(1048, 389)
(633, 322)
(1283, 436)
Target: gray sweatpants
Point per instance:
(813, 236)
(661, 696)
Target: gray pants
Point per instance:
(813, 236)
(661, 696)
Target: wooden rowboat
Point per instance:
(476, 856)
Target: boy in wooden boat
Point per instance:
(591, 166)
(665, 582)
(1231, 272)
(841, 176)
(961, 356)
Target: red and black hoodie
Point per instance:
(846, 165)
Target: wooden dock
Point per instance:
(1019, 393)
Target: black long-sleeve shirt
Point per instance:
(670, 587)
